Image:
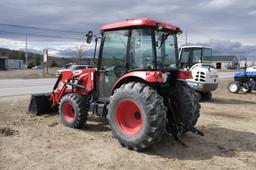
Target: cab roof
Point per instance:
(146, 22)
(194, 46)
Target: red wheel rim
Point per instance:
(128, 117)
(68, 111)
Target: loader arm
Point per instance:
(79, 81)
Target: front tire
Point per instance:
(234, 87)
(73, 110)
(137, 115)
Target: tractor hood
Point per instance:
(242, 73)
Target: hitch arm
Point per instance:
(196, 131)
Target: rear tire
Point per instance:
(73, 110)
(245, 88)
(187, 102)
(234, 87)
(137, 115)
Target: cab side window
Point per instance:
(115, 49)
(141, 54)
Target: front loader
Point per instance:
(136, 86)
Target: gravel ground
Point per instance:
(30, 142)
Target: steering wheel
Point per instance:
(118, 70)
(149, 66)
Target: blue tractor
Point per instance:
(244, 81)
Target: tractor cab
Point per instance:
(198, 59)
(135, 45)
(191, 55)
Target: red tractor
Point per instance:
(136, 86)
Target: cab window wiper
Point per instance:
(163, 38)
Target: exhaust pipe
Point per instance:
(40, 104)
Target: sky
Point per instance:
(228, 26)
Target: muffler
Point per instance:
(40, 104)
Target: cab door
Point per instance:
(112, 61)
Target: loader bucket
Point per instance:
(40, 104)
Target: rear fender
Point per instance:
(141, 76)
(184, 75)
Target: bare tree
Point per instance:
(80, 52)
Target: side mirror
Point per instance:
(89, 36)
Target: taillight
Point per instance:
(184, 75)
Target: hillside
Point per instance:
(37, 59)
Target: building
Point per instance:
(15, 64)
(228, 62)
(6, 64)
(251, 62)
(3, 63)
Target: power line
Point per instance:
(39, 28)
(41, 35)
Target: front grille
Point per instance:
(200, 77)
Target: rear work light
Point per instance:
(156, 74)
(184, 75)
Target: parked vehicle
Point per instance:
(69, 64)
(250, 69)
(197, 59)
(136, 86)
(244, 81)
(37, 67)
(72, 68)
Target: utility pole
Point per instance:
(26, 52)
(186, 38)
(45, 60)
(80, 55)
